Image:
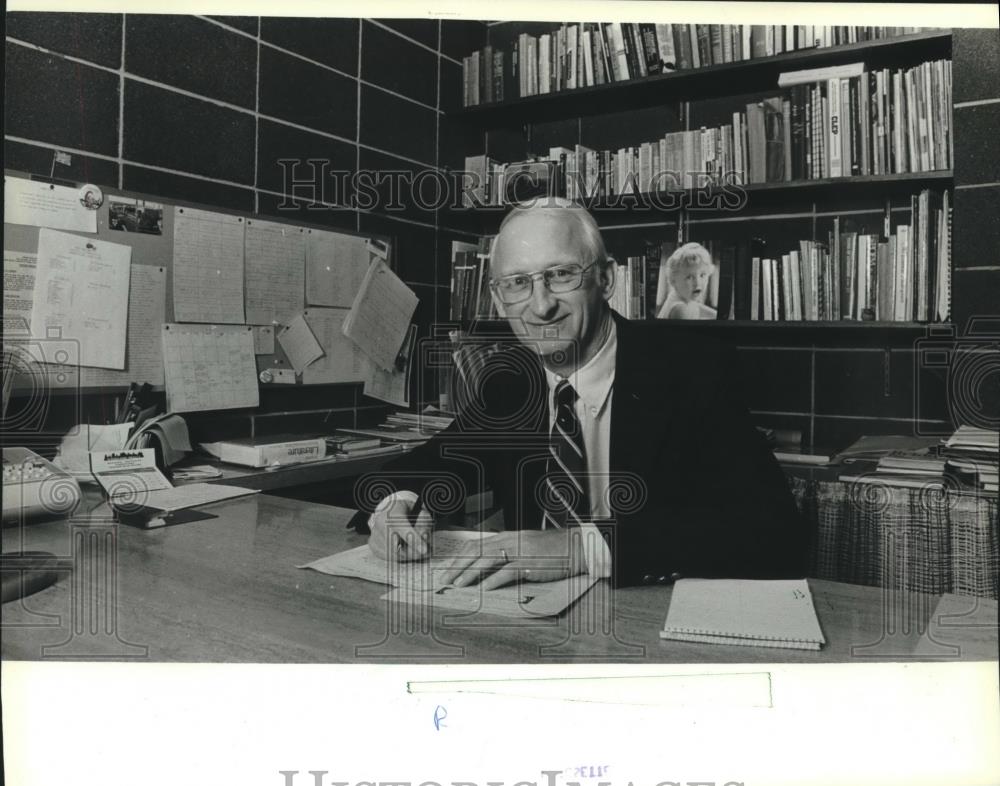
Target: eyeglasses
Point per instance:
(559, 279)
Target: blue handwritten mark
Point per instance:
(440, 713)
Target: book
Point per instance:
(745, 612)
(265, 451)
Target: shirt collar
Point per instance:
(593, 382)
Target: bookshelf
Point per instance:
(721, 79)
(787, 210)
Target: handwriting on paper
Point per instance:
(440, 713)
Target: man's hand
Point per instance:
(518, 556)
(393, 536)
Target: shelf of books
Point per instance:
(849, 276)
(574, 68)
(822, 195)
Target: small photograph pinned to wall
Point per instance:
(135, 215)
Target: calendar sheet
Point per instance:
(209, 367)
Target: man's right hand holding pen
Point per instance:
(401, 529)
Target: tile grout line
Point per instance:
(121, 109)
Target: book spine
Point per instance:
(833, 129)
(650, 48)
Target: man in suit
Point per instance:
(614, 447)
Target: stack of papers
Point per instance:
(744, 612)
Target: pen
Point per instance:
(412, 518)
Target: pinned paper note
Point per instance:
(208, 266)
(263, 340)
(147, 308)
(299, 343)
(342, 361)
(380, 315)
(18, 285)
(46, 205)
(275, 262)
(336, 264)
(81, 290)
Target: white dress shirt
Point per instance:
(594, 385)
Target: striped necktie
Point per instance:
(566, 473)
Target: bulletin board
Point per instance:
(150, 235)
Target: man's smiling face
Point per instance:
(560, 326)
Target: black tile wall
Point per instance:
(94, 37)
(277, 141)
(415, 246)
(451, 86)
(778, 380)
(397, 125)
(307, 211)
(187, 134)
(460, 38)
(974, 294)
(382, 52)
(50, 99)
(976, 64)
(975, 222)
(333, 42)
(976, 159)
(423, 30)
(248, 24)
(300, 92)
(38, 161)
(192, 54)
(854, 383)
(173, 186)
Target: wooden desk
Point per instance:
(227, 590)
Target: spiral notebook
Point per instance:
(744, 612)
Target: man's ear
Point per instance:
(606, 277)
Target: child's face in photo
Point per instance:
(691, 281)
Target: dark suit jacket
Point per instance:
(695, 490)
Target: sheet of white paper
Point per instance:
(193, 495)
(342, 361)
(528, 599)
(299, 343)
(362, 563)
(275, 272)
(335, 267)
(128, 474)
(208, 266)
(81, 291)
(380, 315)
(209, 367)
(18, 285)
(147, 311)
(45, 205)
(392, 385)
(263, 340)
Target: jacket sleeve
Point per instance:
(729, 512)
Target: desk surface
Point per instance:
(290, 475)
(227, 590)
